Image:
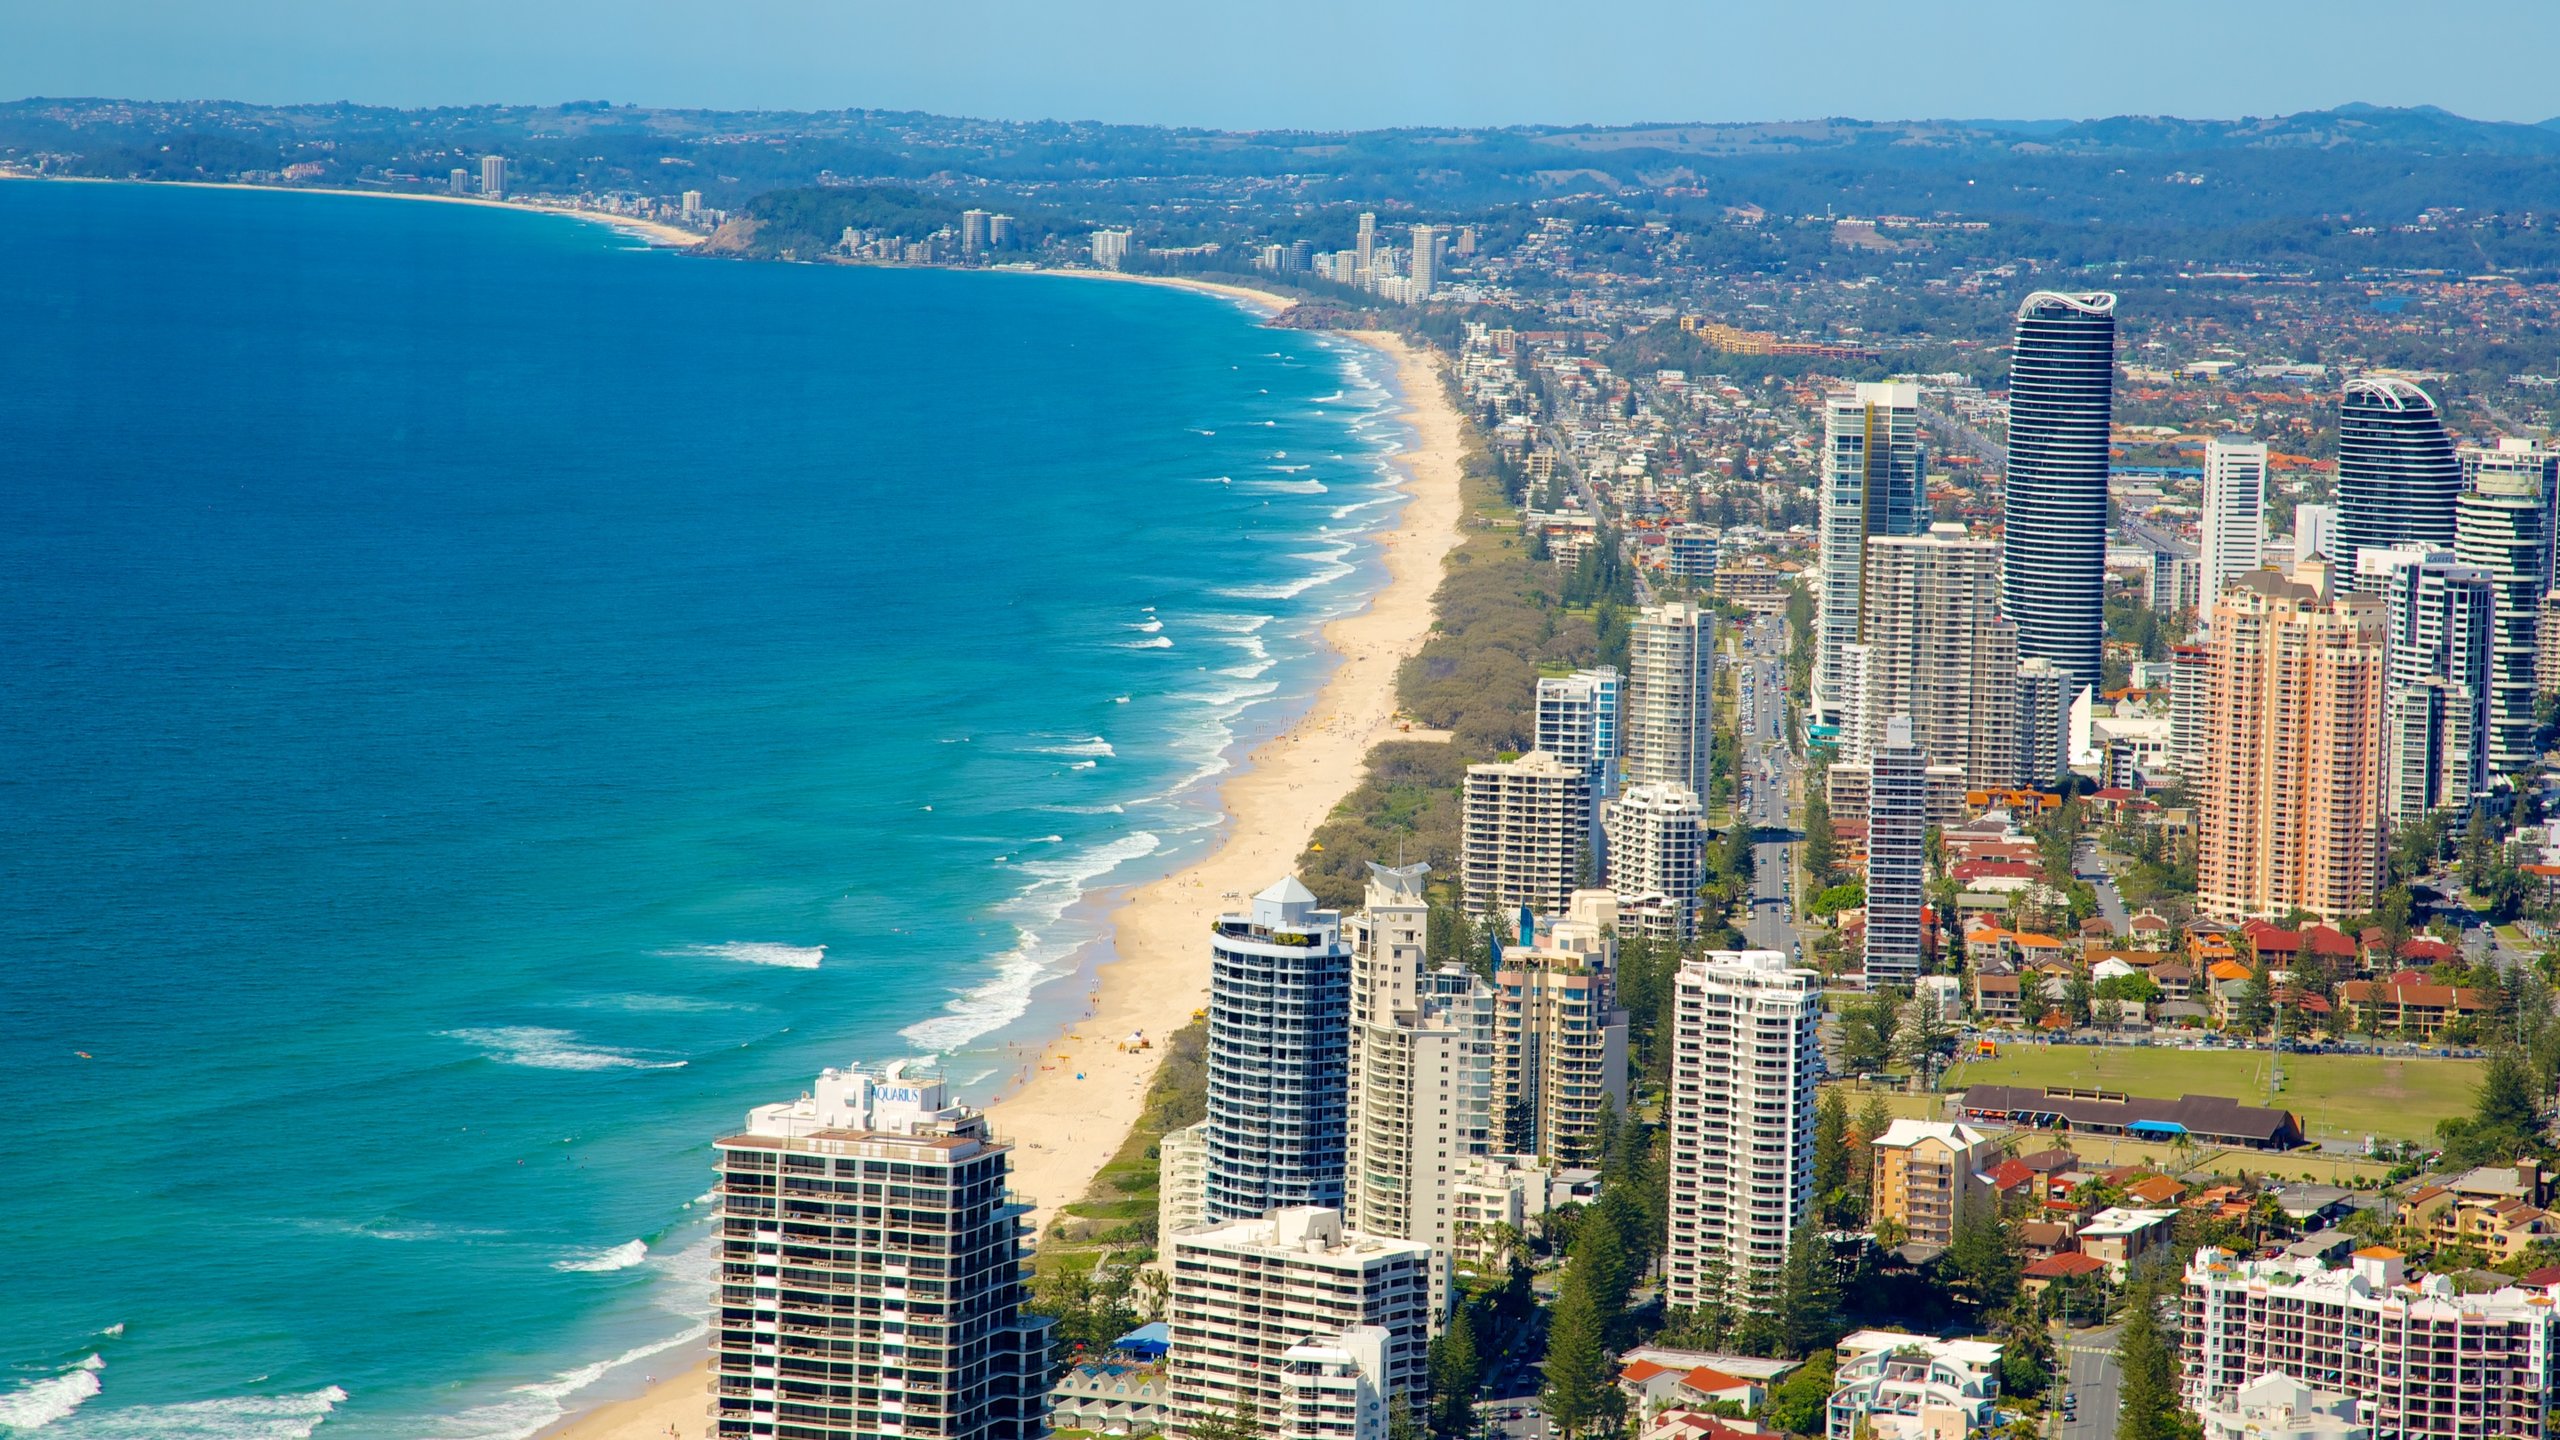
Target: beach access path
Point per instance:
(1075, 1110)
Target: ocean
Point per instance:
(483, 703)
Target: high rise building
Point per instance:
(1525, 833)
(2045, 698)
(1560, 1040)
(1111, 248)
(1247, 1293)
(691, 204)
(2433, 1360)
(1671, 654)
(1743, 1066)
(973, 232)
(460, 182)
(1182, 1179)
(2503, 524)
(1365, 249)
(1657, 857)
(2235, 513)
(2188, 669)
(1421, 1084)
(1871, 486)
(493, 176)
(1689, 553)
(1940, 654)
(2054, 547)
(1426, 257)
(1279, 1051)
(2315, 532)
(1003, 232)
(829, 1325)
(2397, 475)
(1577, 723)
(1897, 822)
(1335, 1388)
(2436, 615)
(2288, 806)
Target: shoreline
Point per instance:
(655, 232)
(1156, 973)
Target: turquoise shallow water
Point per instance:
(481, 704)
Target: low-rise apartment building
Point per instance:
(1247, 1293)
(1927, 1174)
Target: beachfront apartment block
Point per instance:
(1670, 716)
(869, 1269)
(1897, 872)
(1657, 857)
(1560, 1040)
(1247, 1293)
(1743, 1067)
(1278, 1056)
(1421, 1079)
(1525, 834)
(1336, 1387)
(1182, 1179)
(1928, 1175)
(2431, 1362)
(1871, 486)
(1895, 1386)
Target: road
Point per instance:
(2089, 1364)
(1769, 773)
(2085, 864)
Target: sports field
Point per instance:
(2339, 1097)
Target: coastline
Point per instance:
(669, 236)
(1089, 1095)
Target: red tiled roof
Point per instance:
(2063, 1266)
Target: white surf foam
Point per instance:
(1093, 746)
(1288, 589)
(1157, 642)
(539, 1047)
(1036, 955)
(39, 1403)
(1289, 487)
(656, 1004)
(239, 1417)
(528, 1410)
(761, 952)
(1150, 626)
(605, 1262)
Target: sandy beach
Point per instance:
(1064, 1127)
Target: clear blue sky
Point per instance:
(1313, 63)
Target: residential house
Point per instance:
(2124, 1240)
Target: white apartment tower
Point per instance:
(2315, 532)
(1657, 856)
(1937, 653)
(1279, 1047)
(493, 176)
(2503, 524)
(1743, 1067)
(1365, 249)
(1247, 1293)
(1560, 1040)
(1526, 838)
(2235, 514)
(1111, 248)
(1871, 486)
(973, 231)
(2438, 617)
(1671, 652)
(1577, 723)
(829, 1325)
(1421, 1084)
(2045, 698)
(1425, 262)
(1897, 822)
(1336, 1388)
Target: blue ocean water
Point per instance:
(483, 703)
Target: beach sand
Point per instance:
(1064, 1127)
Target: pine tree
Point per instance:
(1983, 1255)
(1455, 1373)
(1830, 1150)
(1240, 1423)
(1579, 1393)
(1808, 1300)
(2148, 1398)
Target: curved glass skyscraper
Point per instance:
(2398, 480)
(2053, 556)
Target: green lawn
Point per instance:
(2339, 1097)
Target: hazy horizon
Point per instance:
(1321, 65)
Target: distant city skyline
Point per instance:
(1321, 64)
